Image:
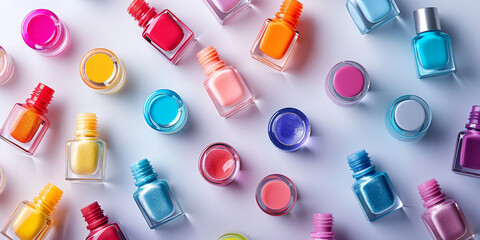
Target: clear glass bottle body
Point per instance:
(445, 221)
(157, 203)
(376, 195)
(228, 90)
(6, 66)
(433, 54)
(107, 232)
(226, 10)
(369, 15)
(27, 222)
(85, 159)
(24, 128)
(467, 153)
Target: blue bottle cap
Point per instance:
(289, 129)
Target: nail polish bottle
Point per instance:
(432, 47)
(219, 164)
(276, 195)
(347, 83)
(165, 111)
(322, 227)
(467, 151)
(233, 236)
(225, 10)
(43, 31)
(278, 36)
(86, 154)
(373, 189)
(3, 179)
(98, 224)
(102, 71)
(163, 30)
(369, 15)
(444, 218)
(154, 198)
(289, 129)
(408, 118)
(224, 84)
(33, 220)
(6, 66)
(27, 123)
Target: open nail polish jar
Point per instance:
(219, 164)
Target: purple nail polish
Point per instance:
(467, 152)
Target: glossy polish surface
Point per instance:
(165, 111)
(347, 83)
(219, 163)
(276, 195)
(289, 129)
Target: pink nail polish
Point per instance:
(224, 10)
(322, 227)
(98, 224)
(219, 164)
(276, 195)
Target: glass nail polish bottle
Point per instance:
(86, 154)
(369, 15)
(408, 118)
(322, 227)
(432, 48)
(98, 224)
(163, 30)
(102, 71)
(165, 111)
(225, 10)
(373, 189)
(219, 164)
(3, 179)
(467, 151)
(224, 84)
(27, 123)
(154, 198)
(276, 195)
(6, 66)
(278, 36)
(444, 218)
(233, 236)
(347, 83)
(33, 220)
(289, 129)
(43, 31)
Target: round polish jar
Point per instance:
(289, 129)
(165, 111)
(43, 31)
(102, 71)
(347, 83)
(219, 164)
(233, 236)
(6, 66)
(408, 118)
(276, 194)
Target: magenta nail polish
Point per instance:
(98, 224)
(467, 151)
(443, 217)
(322, 227)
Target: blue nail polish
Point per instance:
(289, 129)
(373, 189)
(371, 14)
(153, 196)
(165, 111)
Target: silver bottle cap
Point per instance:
(426, 19)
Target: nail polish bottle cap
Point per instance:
(94, 216)
(427, 19)
(474, 119)
(41, 97)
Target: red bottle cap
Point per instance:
(94, 216)
(41, 96)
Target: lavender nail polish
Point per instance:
(467, 152)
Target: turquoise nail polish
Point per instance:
(165, 111)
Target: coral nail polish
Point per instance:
(322, 227)
(6, 66)
(86, 154)
(98, 224)
(278, 36)
(276, 195)
(102, 71)
(432, 48)
(33, 220)
(165, 111)
(163, 30)
(371, 14)
(27, 123)
(467, 151)
(289, 129)
(225, 10)
(219, 164)
(347, 83)
(408, 118)
(444, 218)
(43, 31)
(373, 189)
(3, 179)
(224, 84)
(233, 236)
(154, 198)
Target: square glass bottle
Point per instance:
(225, 10)
(371, 14)
(467, 152)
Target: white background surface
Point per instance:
(320, 172)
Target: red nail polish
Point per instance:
(98, 224)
